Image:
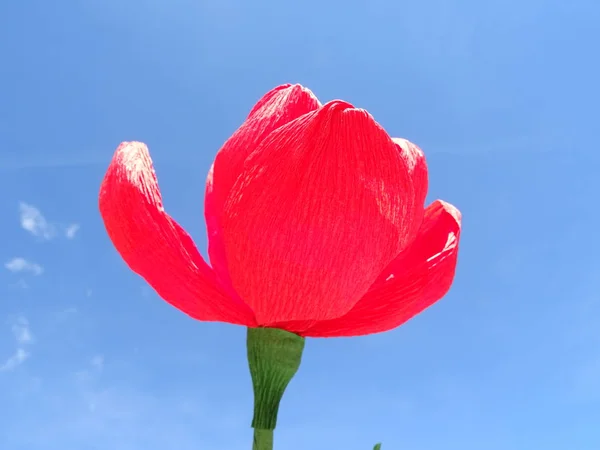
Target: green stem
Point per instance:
(274, 356)
(263, 439)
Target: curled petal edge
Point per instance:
(156, 247)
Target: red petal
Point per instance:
(414, 281)
(278, 107)
(154, 246)
(322, 207)
(417, 167)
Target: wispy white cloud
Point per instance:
(111, 408)
(21, 331)
(72, 230)
(18, 265)
(35, 223)
(23, 338)
(14, 361)
(97, 362)
(20, 284)
(65, 313)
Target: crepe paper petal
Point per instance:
(154, 246)
(323, 205)
(417, 168)
(411, 283)
(276, 108)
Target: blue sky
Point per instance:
(501, 95)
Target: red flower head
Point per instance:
(316, 224)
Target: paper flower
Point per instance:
(316, 228)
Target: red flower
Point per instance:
(316, 224)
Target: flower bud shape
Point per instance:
(316, 224)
